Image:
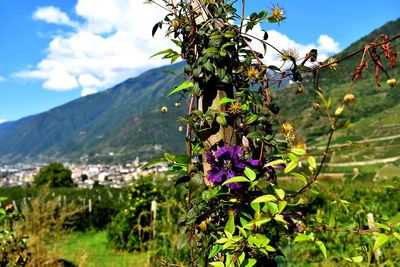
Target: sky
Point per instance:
(55, 51)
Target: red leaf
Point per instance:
(378, 78)
(392, 59)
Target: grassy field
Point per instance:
(90, 249)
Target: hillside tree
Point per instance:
(54, 175)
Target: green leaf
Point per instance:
(356, 259)
(237, 179)
(155, 28)
(300, 176)
(275, 162)
(281, 206)
(279, 192)
(221, 120)
(250, 174)
(215, 249)
(249, 262)
(382, 226)
(380, 240)
(255, 135)
(397, 235)
(298, 151)
(154, 162)
(250, 119)
(230, 34)
(230, 224)
(291, 166)
(210, 50)
(217, 264)
(225, 100)
(303, 238)
(312, 162)
(264, 198)
(258, 240)
(224, 46)
(182, 86)
(222, 240)
(166, 51)
(242, 257)
(322, 247)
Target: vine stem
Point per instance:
(308, 185)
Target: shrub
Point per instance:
(131, 228)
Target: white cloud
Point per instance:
(325, 46)
(88, 91)
(2, 120)
(2, 79)
(51, 14)
(112, 43)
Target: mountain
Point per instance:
(125, 121)
(117, 124)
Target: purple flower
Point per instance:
(225, 164)
(228, 162)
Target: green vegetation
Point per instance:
(54, 175)
(91, 249)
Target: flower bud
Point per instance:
(348, 98)
(175, 23)
(339, 110)
(164, 109)
(177, 104)
(391, 82)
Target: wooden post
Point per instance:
(371, 225)
(210, 99)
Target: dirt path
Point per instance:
(363, 163)
(363, 141)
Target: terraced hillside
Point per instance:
(369, 149)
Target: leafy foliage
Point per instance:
(132, 227)
(13, 247)
(238, 214)
(54, 175)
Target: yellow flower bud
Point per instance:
(175, 23)
(391, 82)
(339, 110)
(348, 98)
(164, 109)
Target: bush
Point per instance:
(13, 247)
(131, 228)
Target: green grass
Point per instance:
(91, 249)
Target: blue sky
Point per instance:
(54, 51)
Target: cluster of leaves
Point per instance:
(13, 248)
(131, 227)
(54, 175)
(237, 213)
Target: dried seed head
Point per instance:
(315, 105)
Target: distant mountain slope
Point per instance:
(124, 121)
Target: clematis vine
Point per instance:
(227, 163)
